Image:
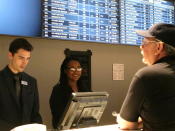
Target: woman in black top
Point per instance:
(70, 81)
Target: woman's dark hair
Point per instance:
(63, 76)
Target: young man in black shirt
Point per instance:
(19, 101)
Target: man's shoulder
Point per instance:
(2, 71)
(27, 76)
(146, 68)
(151, 70)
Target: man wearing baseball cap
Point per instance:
(150, 101)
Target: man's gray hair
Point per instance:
(170, 50)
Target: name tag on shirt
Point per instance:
(24, 83)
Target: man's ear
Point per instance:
(10, 55)
(159, 48)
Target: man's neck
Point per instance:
(160, 56)
(12, 69)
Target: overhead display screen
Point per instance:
(104, 21)
(140, 15)
(20, 17)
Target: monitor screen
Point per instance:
(83, 110)
(103, 21)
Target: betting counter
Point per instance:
(113, 127)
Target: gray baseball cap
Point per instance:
(161, 31)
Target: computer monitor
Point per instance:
(83, 110)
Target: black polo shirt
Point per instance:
(151, 96)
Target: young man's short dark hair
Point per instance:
(20, 43)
